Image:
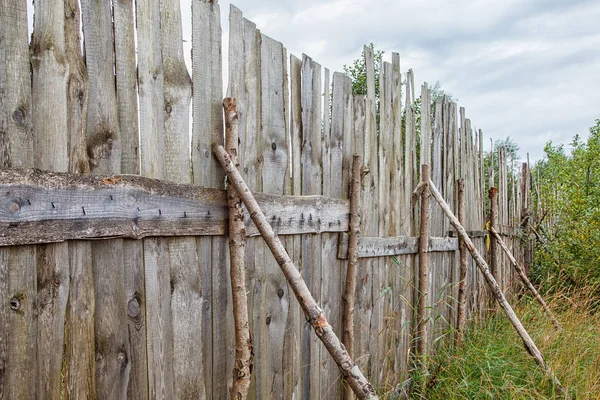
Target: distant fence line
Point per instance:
(152, 318)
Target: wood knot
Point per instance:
(133, 308)
(19, 117)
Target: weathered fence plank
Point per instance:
(152, 145)
(311, 185)
(104, 151)
(186, 294)
(18, 322)
(80, 352)
(217, 320)
(50, 129)
(127, 102)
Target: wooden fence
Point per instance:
(146, 311)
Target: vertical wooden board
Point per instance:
(410, 182)
(371, 221)
(152, 144)
(79, 327)
(17, 264)
(186, 293)
(49, 100)
(437, 272)
(133, 263)
(218, 348)
(293, 336)
(342, 151)
(272, 146)
(364, 289)
(104, 151)
(332, 285)
(311, 184)
(385, 288)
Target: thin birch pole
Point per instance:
(350, 289)
(528, 343)
(422, 306)
(525, 280)
(493, 195)
(462, 284)
(242, 368)
(350, 371)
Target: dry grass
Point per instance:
(492, 364)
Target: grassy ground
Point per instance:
(494, 365)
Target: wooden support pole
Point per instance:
(242, 368)
(526, 280)
(350, 289)
(493, 195)
(529, 344)
(461, 317)
(423, 293)
(350, 371)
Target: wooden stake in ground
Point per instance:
(350, 371)
(461, 317)
(422, 306)
(496, 291)
(526, 280)
(242, 368)
(493, 195)
(350, 289)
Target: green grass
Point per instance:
(493, 364)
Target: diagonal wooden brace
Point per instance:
(350, 371)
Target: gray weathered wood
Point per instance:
(133, 264)
(293, 339)
(314, 314)
(50, 71)
(370, 311)
(186, 293)
(104, 151)
(152, 146)
(17, 265)
(423, 304)
(207, 109)
(311, 185)
(46, 207)
(79, 327)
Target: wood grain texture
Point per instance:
(293, 337)
(311, 185)
(79, 326)
(50, 71)
(186, 294)
(133, 263)
(207, 110)
(314, 314)
(104, 151)
(152, 144)
(18, 323)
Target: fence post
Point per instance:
(493, 195)
(242, 368)
(462, 283)
(422, 306)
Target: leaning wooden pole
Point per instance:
(526, 280)
(242, 368)
(461, 317)
(496, 291)
(350, 288)
(423, 293)
(350, 371)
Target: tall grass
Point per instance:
(493, 364)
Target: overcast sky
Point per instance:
(528, 69)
